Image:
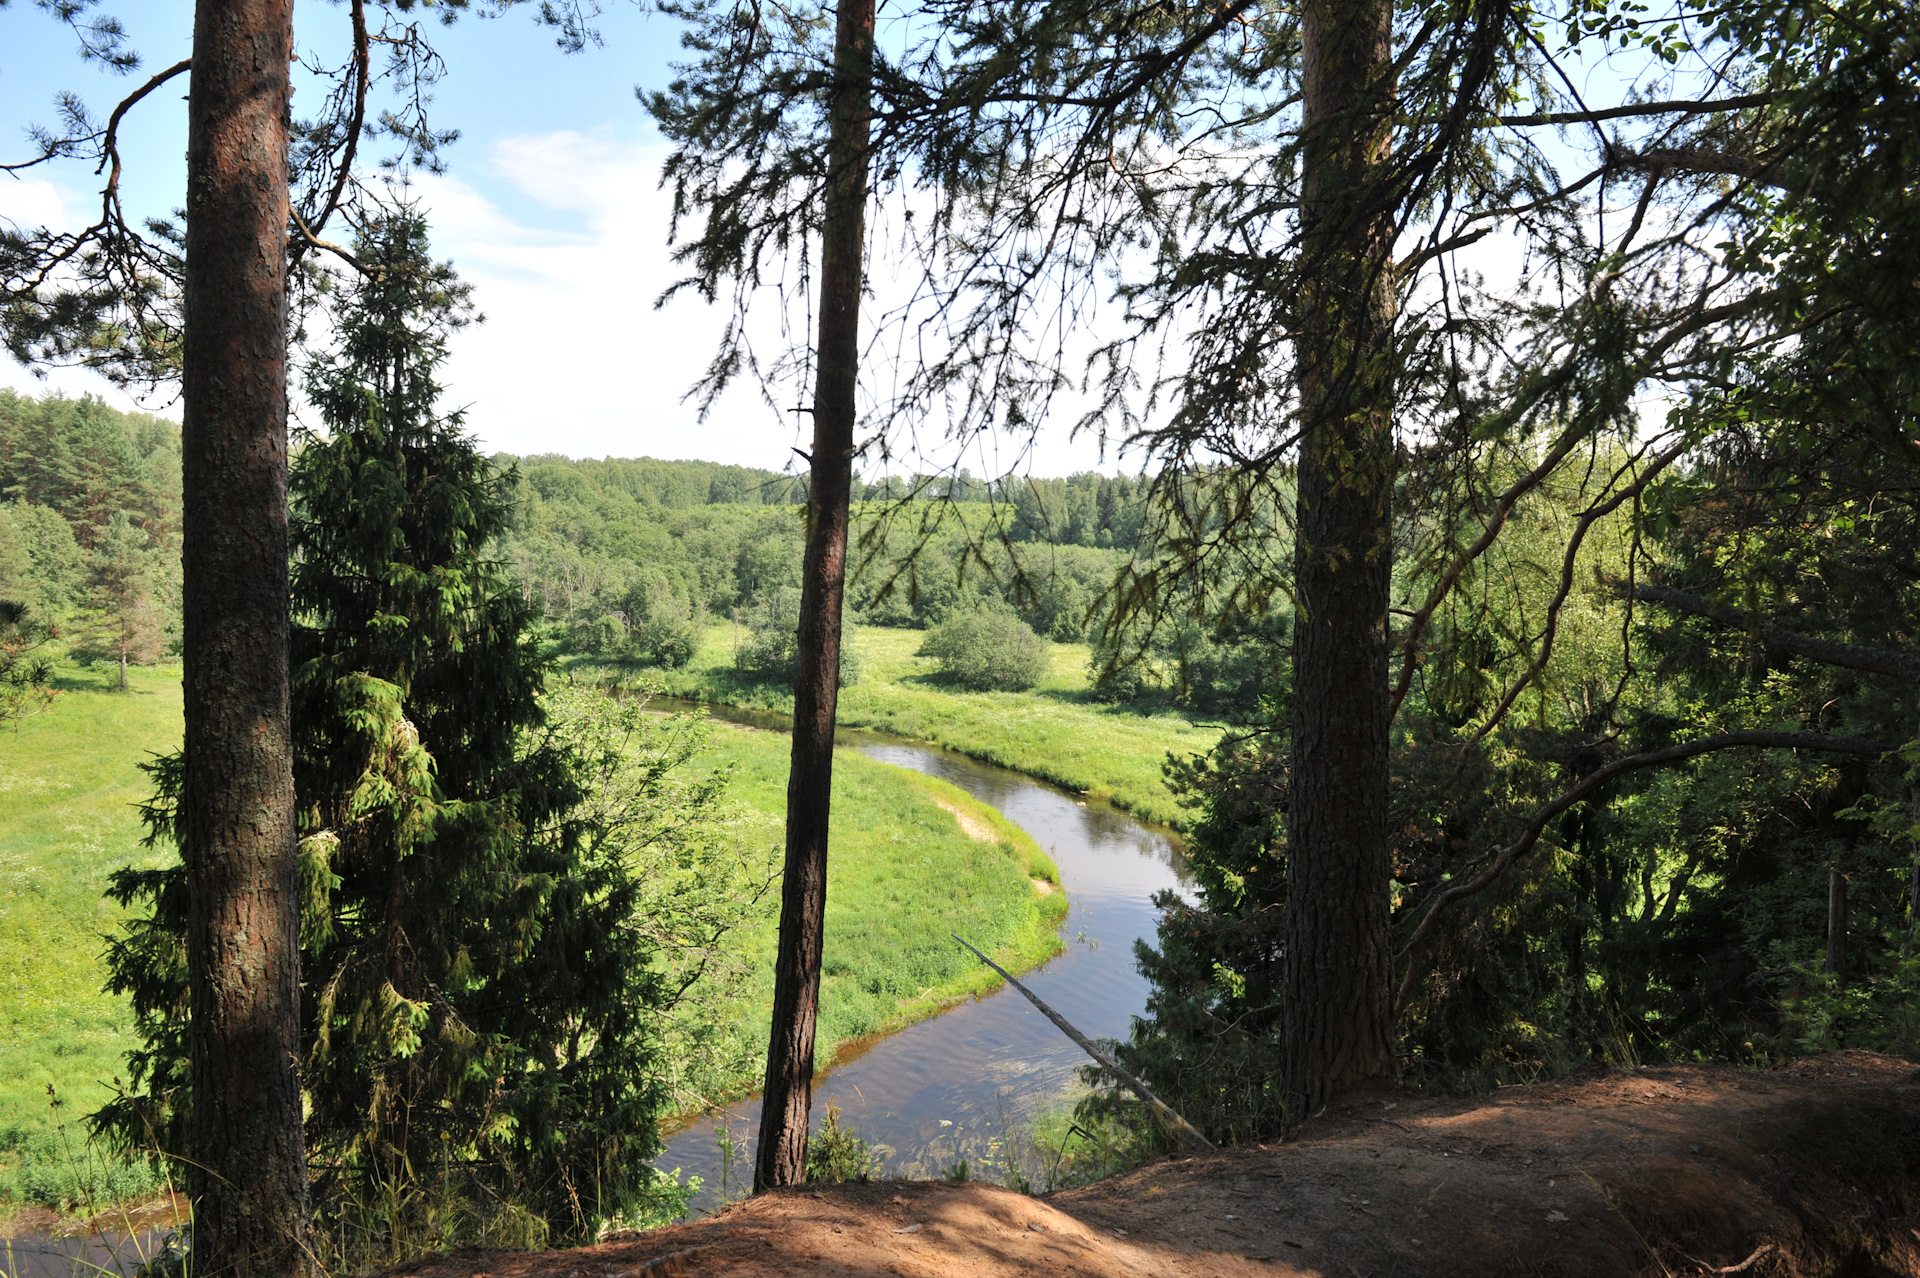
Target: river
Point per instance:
(947, 1088)
(934, 1093)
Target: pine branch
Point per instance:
(1681, 107)
(1852, 656)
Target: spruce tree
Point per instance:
(477, 996)
(123, 621)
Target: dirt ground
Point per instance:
(1809, 1170)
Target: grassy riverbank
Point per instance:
(1055, 731)
(913, 858)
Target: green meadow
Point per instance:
(913, 859)
(1055, 731)
(68, 781)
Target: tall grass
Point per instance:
(1055, 731)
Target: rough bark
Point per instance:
(247, 1173)
(1338, 964)
(781, 1157)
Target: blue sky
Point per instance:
(550, 206)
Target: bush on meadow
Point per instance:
(988, 651)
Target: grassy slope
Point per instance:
(1056, 731)
(68, 780)
(902, 875)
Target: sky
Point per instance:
(550, 206)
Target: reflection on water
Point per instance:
(951, 1087)
(97, 1255)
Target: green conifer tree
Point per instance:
(122, 621)
(477, 994)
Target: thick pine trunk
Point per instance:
(1338, 965)
(781, 1158)
(247, 1172)
(1913, 871)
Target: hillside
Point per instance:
(1813, 1169)
(70, 781)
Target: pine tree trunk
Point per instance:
(1338, 967)
(247, 1172)
(1913, 870)
(781, 1158)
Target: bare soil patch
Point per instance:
(971, 826)
(1808, 1170)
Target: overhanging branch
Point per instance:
(1681, 107)
(1853, 656)
(1505, 857)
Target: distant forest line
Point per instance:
(625, 558)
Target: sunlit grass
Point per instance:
(1056, 731)
(68, 781)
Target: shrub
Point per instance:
(1878, 1011)
(668, 636)
(988, 651)
(835, 1156)
(769, 651)
(606, 637)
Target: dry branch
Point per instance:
(1159, 1107)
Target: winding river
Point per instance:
(947, 1088)
(937, 1092)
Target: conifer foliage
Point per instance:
(484, 986)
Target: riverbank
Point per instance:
(981, 1084)
(913, 860)
(1055, 731)
(1811, 1169)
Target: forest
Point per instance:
(1502, 629)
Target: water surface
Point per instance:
(951, 1087)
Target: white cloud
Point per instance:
(564, 237)
(31, 202)
(572, 357)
